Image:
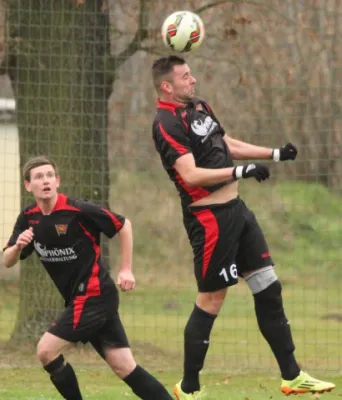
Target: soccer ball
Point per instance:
(183, 31)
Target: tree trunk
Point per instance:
(57, 69)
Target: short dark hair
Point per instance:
(37, 162)
(163, 66)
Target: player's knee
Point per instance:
(45, 353)
(261, 279)
(123, 370)
(120, 360)
(211, 302)
(269, 301)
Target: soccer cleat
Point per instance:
(180, 395)
(304, 383)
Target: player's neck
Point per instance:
(171, 100)
(47, 205)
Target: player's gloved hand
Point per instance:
(258, 171)
(287, 152)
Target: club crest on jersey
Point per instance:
(204, 128)
(61, 229)
(199, 107)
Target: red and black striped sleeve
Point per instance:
(171, 140)
(103, 220)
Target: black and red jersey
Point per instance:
(178, 130)
(67, 242)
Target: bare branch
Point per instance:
(251, 2)
(214, 4)
(139, 36)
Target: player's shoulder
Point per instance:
(165, 115)
(30, 209)
(81, 204)
(169, 117)
(75, 202)
(27, 212)
(164, 123)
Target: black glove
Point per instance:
(258, 171)
(287, 152)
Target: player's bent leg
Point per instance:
(197, 339)
(143, 384)
(62, 375)
(304, 383)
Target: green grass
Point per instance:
(101, 384)
(303, 226)
(155, 319)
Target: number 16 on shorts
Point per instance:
(229, 272)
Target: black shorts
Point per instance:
(227, 241)
(92, 319)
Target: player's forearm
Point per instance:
(246, 151)
(126, 245)
(206, 177)
(11, 256)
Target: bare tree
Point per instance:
(270, 69)
(59, 61)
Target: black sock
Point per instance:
(64, 378)
(145, 386)
(276, 330)
(196, 344)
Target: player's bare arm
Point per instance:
(11, 254)
(125, 279)
(245, 151)
(196, 176)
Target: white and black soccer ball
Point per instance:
(183, 31)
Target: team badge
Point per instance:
(61, 229)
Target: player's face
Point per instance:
(182, 84)
(44, 182)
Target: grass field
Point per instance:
(100, 384)
(304, 229)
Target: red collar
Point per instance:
(169, 106)
(60, 203)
